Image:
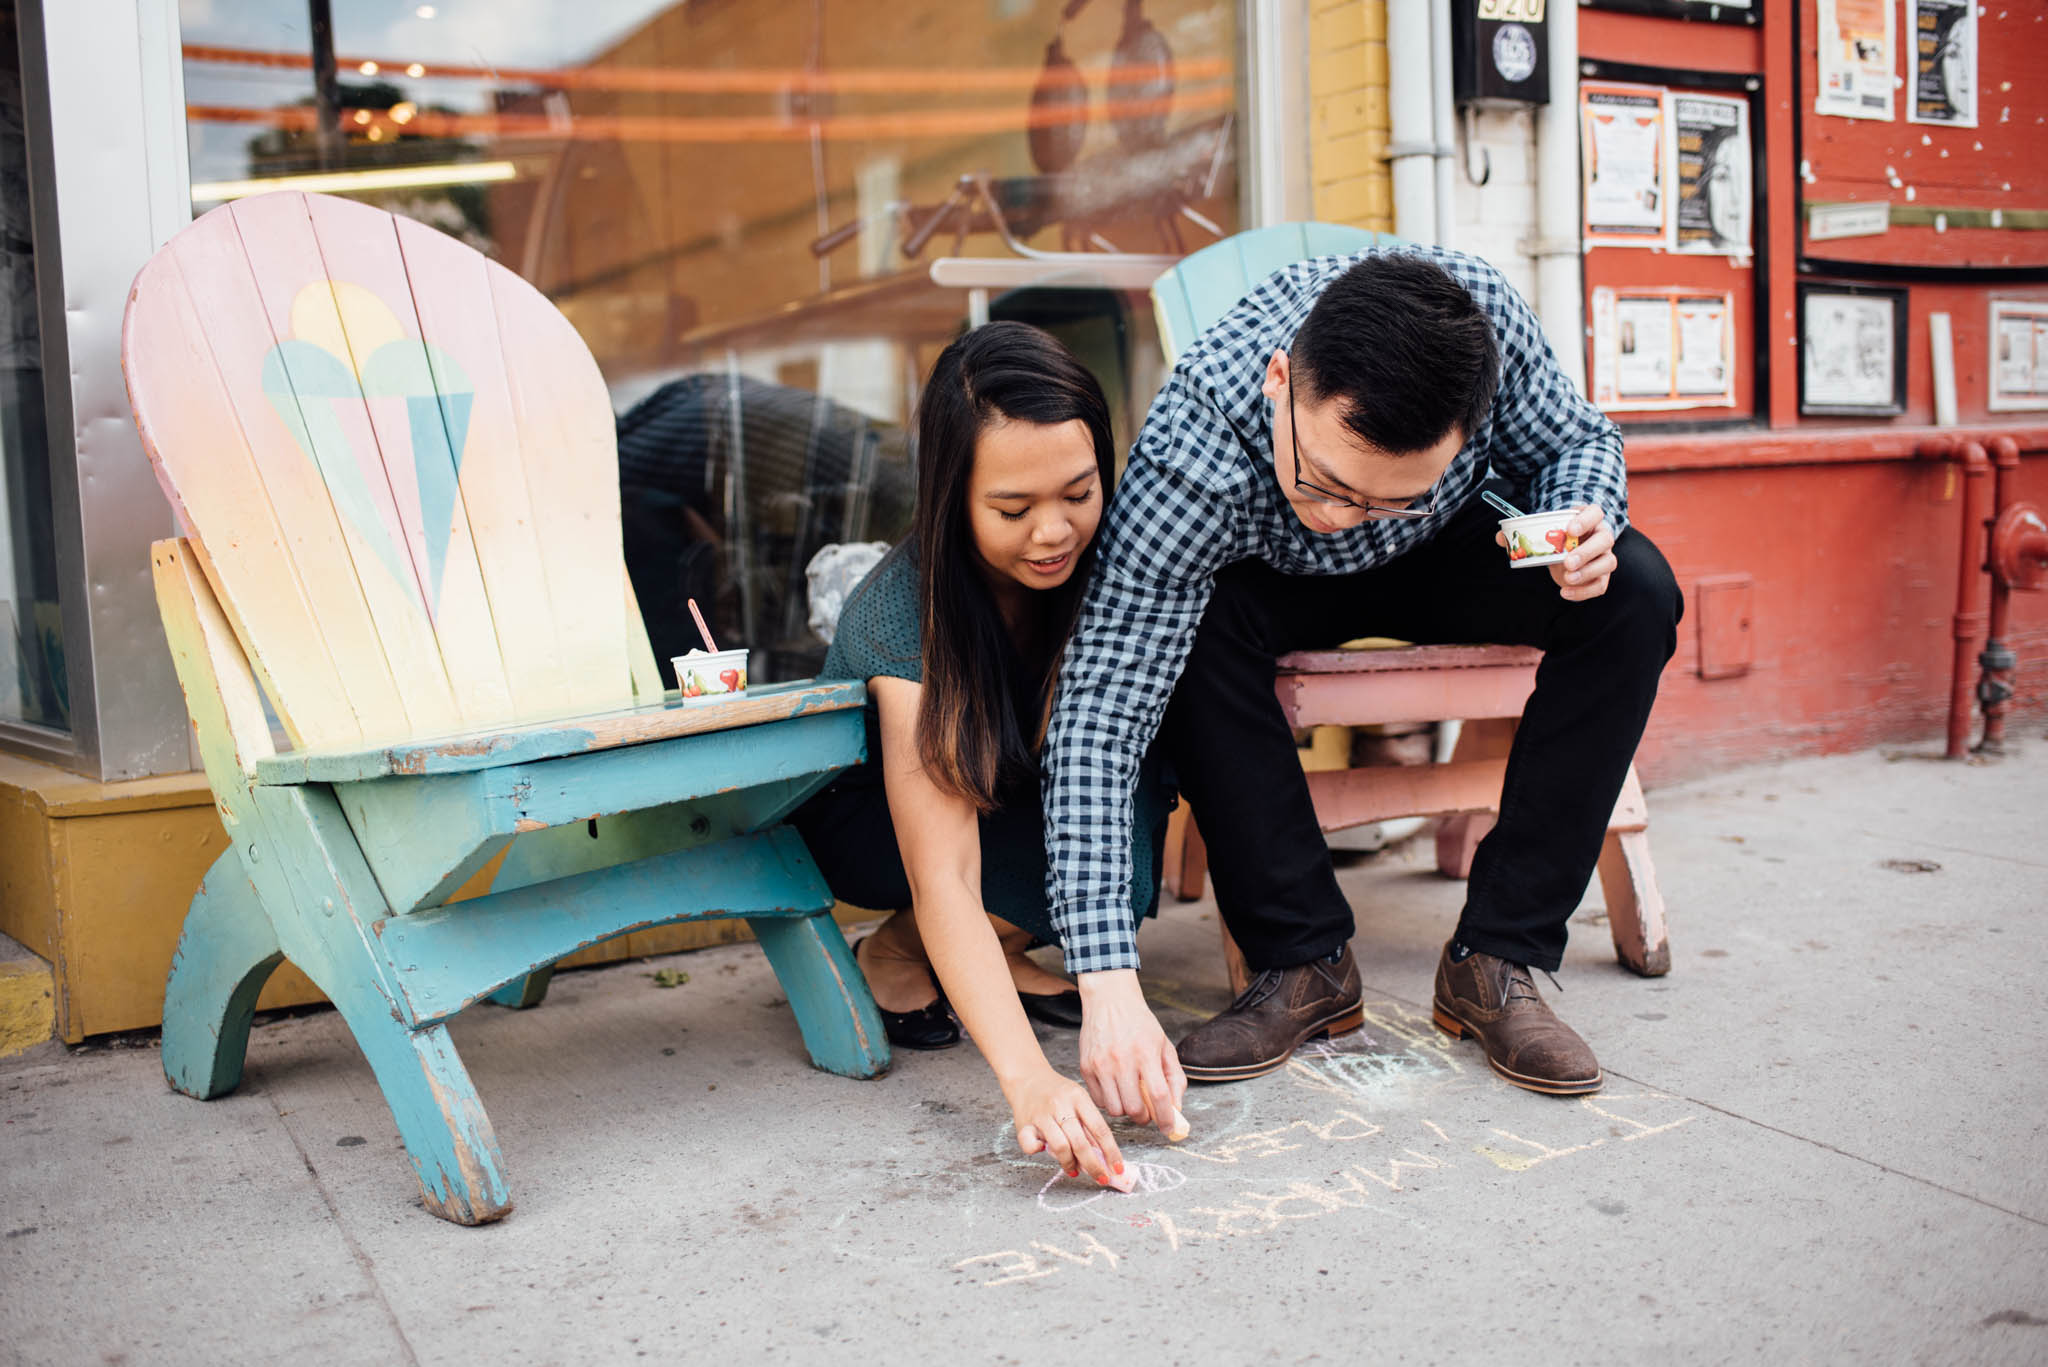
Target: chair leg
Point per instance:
(833, 1006)
(1635, 908)
(1457, 840)
(440, 1118)
(225, 954)
(524, 993)
(325, 900)
(1458, 835)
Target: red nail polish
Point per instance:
(1119, 1170)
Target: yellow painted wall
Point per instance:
(1348, 123)
(95, 878)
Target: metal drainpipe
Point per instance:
(1443, 123)
(1556, 244)
(1970, 614)
(1411, 148)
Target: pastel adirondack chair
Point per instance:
(394, 461)
(1486, 686)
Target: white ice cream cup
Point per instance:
(1539, 538)
(707, 676)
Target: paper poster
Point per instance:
(1705, 364)
(1643, 347)
(1662, 348)
(1711, 133)
(1623, 153)
(1855, 56)
(1941, 79)
(2019, 354)
(1849, 348)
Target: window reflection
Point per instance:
(738, 206)
(33, 685)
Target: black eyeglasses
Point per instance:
(1366, 506)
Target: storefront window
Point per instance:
(32, 679)
(738, 206)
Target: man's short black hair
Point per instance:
(1404, 351)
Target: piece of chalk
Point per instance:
(1125, 1181)
(1178, 1130)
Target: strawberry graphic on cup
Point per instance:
(1539, 538)
(731, 679)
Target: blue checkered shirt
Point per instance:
(1200, 493)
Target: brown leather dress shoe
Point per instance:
(1279, 1011)
(1524, 1042)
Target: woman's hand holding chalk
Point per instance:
(1054, 1115)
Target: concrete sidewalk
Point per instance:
(1822, 1140)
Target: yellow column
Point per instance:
(1348, 113)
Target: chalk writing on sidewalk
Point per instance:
(1401, 1127)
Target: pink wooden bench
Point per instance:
(1488, 686)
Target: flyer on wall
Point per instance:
(2019, 354)
(1849, 347)
(1943, 35)
(1711, 133)
(1622, 133)
(1705, 370)
(1855, 40)
(1663, 348)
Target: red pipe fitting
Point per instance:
(1971, 613)
(2017, 556)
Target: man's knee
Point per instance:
(1644, 592)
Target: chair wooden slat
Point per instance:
(570, 455)
(1265, 250)
(419, 404)
(1176, 321)
(1337, 239)
(311, 357)
(526, 742)
(194, 354)
(187, 408)
(1214, 280)
(452, 295)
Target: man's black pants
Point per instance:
(1231, 746)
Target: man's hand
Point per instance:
(1584, 571)
(1128, 1063)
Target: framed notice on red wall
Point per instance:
(1672, 214)
(1919, 135)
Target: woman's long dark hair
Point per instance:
(968, 737)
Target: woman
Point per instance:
(958, 634)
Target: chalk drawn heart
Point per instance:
(1150, 1178)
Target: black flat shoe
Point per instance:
(1062, 1009)
(928, 1027)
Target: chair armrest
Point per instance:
(220, 689)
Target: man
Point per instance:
(1310, 474)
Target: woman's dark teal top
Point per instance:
(848, 826)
